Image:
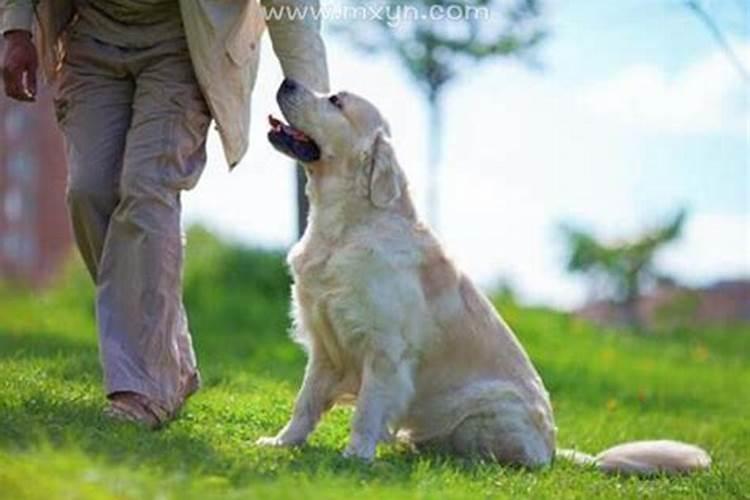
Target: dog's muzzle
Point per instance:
(286, 138)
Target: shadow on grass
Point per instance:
(41, 422)
(185, 449)
(72, 360)
(38, 416)
(43, 345)
(197, 448)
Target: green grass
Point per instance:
(607, 387)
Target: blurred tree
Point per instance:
(624, 267)
(434, 39)
(704, 16)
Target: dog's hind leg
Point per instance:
(315, 397)
(386, 390)
(509, 431)
(497, 424)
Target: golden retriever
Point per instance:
(391, 324)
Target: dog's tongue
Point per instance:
(291, 141)
(274, 122)
(279, 126)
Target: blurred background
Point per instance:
(587, 156)
(587, 162)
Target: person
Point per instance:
(137, 85)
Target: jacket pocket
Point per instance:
(244, 38)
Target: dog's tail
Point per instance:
(644, 458)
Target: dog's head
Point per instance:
(340, 137)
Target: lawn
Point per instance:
(607, 387)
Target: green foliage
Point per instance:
(607, 386)
(232, 287)
(231, 291)
(624, 266)
(232, 270)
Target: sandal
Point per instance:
(138, 409)
(191, 386)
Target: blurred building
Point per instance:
(35, 236)
(723, 303)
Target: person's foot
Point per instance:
(136, 408)
(191, 386)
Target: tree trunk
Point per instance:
(433, 161)
(630, 307)
(303, 204)
(632, 316)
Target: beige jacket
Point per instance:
(223, 36)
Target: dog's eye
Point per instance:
(336, 101)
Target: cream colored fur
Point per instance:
(388, 320)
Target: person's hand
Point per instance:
(20, 64)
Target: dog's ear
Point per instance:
(385, 176)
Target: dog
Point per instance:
(391, 324)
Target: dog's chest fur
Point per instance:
(317, 289)
(344, 290)
(307, 262)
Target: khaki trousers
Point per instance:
(135, 125)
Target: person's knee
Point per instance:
(147, 202)
(82, 195)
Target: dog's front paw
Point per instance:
(278, 442)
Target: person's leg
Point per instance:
(146, 347)
(94, 108)
(93, 105)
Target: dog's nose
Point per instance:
(288, 85)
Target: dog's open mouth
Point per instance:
(292, 142)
